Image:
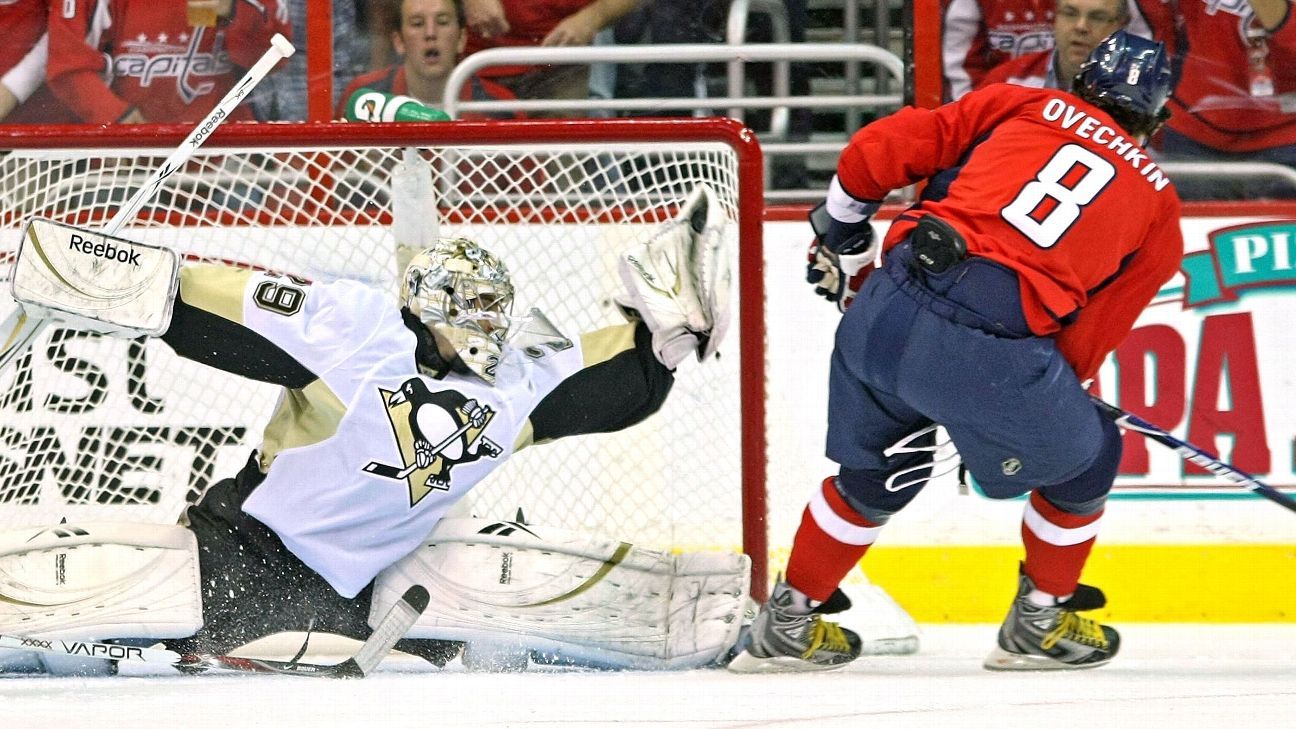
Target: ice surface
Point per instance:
(1166, 677)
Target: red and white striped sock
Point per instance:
(1057, 545)
(830, 541)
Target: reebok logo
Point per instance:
(104, 250)
(506, 569)
(62, 532)
(506, 528)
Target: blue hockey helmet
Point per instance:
(1129, 73)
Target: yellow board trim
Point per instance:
(1215, 583)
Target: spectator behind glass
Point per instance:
(977, 35)
(1078, 27)
(161, 66)
(282, 95)
(428, 37)
(520, 23)
(24, 97)
(1236, 92)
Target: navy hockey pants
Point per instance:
(953, 348)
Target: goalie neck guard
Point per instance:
(462, 293)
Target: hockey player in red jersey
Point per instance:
(125, 61)
(1043, 231)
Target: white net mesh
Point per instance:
(95, 428)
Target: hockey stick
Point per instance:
(384, 470)
(1193, 454)
(394, 625)
(18, 331)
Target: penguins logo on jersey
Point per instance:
(435, 431)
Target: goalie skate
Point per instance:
(678, 283)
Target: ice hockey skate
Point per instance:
(790, 634)
(1037, 638)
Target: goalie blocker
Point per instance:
(94, 281)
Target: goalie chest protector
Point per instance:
(408, 446)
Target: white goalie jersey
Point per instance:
(406, 447)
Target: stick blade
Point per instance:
(394, 625)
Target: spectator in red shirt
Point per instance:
(512, 23)
(129, 61)
(977, 35)
(24, 97)
(1236, 80)
(428, 36)
(1078, 27)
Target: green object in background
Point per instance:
(376, 106)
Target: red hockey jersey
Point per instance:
(978, 35)
(24, 24)
(391, 80)
(107, 56)
(23, 74)
(1044, 184)
(1032, 69)
(529, 22)
(1213, 103)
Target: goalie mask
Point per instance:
(462, 292)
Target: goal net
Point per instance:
(94, 428)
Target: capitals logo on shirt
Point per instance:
(435, 432)
(159, 57)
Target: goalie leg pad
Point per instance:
(679, 281)
(562, 597)
(98, 582)
(94, 281)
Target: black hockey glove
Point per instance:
(840, 258)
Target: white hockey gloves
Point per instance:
(679, 282)
(93, 281)
(517, 592)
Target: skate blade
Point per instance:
(745, 662)
(1001, 660)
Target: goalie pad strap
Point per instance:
(98, 581)
(523, 588)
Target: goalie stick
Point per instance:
(19, 330)
(394, 625)
(1193, 454)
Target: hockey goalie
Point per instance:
(391, 412)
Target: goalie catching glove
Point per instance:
(844, 250)
(679, 282)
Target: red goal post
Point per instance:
(95, 429)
